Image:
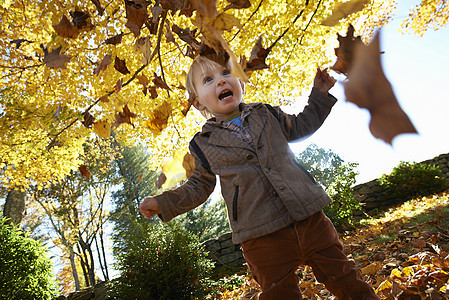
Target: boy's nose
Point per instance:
(221, 82)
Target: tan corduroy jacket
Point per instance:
(265, 189)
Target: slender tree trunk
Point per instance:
(84, 263)
(74, 271)
(14, 206)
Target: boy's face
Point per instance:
(217, 91)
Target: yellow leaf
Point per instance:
(408, 271)
(396, 272)
(174, 170)
(384, 286)
(372, 268)
(102, 129)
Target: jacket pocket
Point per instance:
(235, 203)
(304, 170)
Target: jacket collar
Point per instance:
(225, 138)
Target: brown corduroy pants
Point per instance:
(274, 258)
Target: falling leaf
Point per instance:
(183, 6)
(221, 58)
(206, 7)
(160, 83)
(153, 92)
(144, 81)
(118, 86)
(345, 51)
(115, 40)
(143, 45)
(342, 10)
(188, 163)
(66, 29)
(238, 4)
(186, 105)
(123, 116)
(88, 120)
(177, 169)
(54, 59)
(187, 36)
(136, 15)
(257, 58)
(159, 118)
(103, 65)
(81, 20)
(104, 98)
(160, 180)
(140, 178)
(102, 129)
(368, 88)
(84, 171)
(120, 65)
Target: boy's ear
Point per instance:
(197, 104)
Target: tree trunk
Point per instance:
(74, 271)
(14, 206)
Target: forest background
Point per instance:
(73, 72)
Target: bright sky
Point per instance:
(417, 68)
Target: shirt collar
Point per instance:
(243, 107)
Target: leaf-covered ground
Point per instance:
(403, 254)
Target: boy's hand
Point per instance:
(149, 207)
(323, 81)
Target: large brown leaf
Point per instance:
(257, 58)
(103, 65)
(136, 15)
(342, 10)
(120, 65)
(369, 88)
(124, 116)
(54, 59)
(66, 29)
(345, 51)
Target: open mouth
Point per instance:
(225, 94)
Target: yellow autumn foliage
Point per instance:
(63, 62)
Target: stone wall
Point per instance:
(226, 255)
(372, 194)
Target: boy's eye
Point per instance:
(226, 72)
(207, 79)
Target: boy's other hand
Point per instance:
(149, 207)
(323, 81)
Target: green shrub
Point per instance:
(410, 179)
(343, 206)
(161, 262)
(25, 269)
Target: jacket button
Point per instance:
(249, 156)
(267, 170)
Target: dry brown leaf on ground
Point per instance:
(369, 88)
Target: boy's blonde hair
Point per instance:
(200, 63)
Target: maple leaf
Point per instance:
(345, 51)
(81, 20)
(160, 180)
(84, 171)
(221, 58)
(186, 105)
(143, 45)
(120, 65)
(159, 118)
(103, 64)
(257, 57)
(66, 29)
(153, 92)
(123, 116)
(136, 14)
(225, 22)
(177, 169)
(118, 85)
(237, 4)
(144, 81)
(368, 88)
(54, 59)
(88, 120)
(115, 40)
(342, 10)
(207, 8)
(102, 129)
(160, 83)
(187, 36)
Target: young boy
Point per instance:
(274, 205)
